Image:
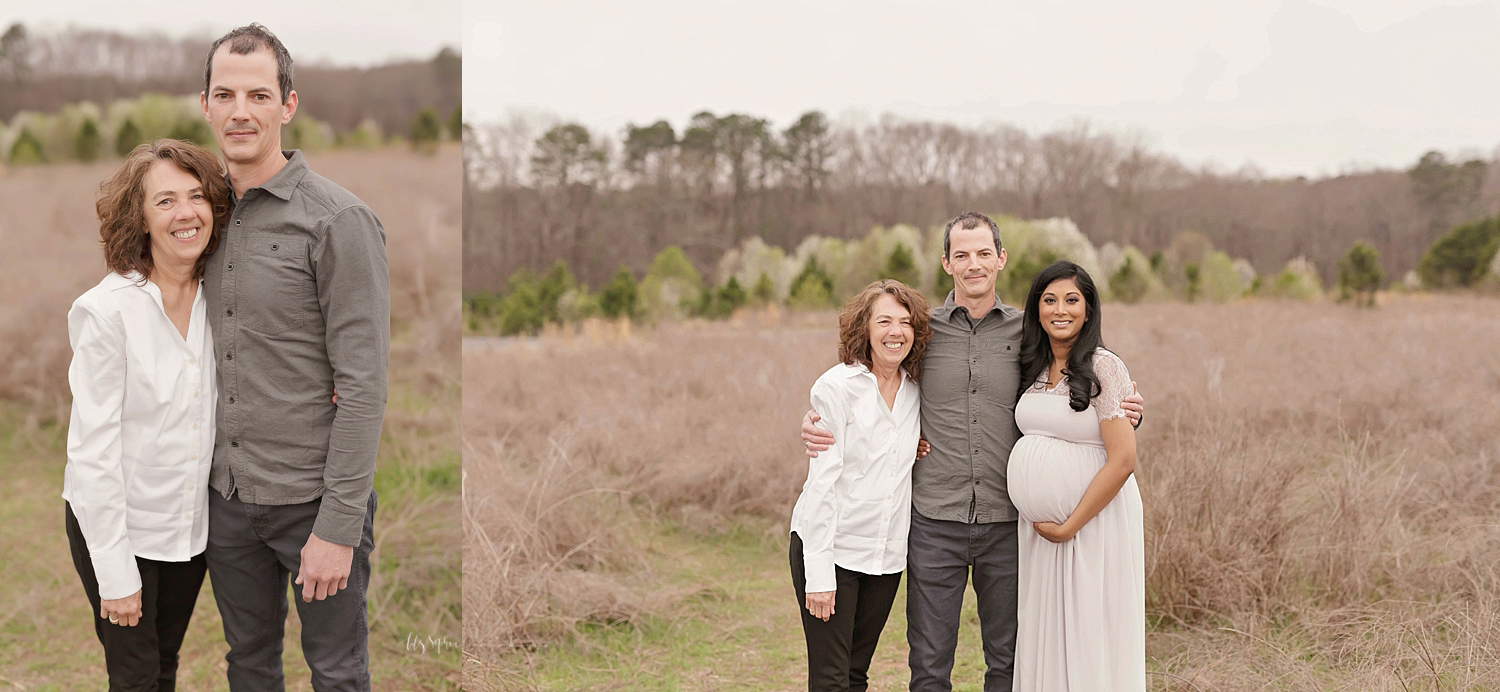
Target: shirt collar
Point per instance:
(285, 181)
(950, 308)
(859, 369)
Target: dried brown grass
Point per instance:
(1320, 482)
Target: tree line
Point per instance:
(48, 72)
(541, 192)
(823, 272)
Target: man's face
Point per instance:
(243, 103)
(973, 261)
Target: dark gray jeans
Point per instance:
(253, 553)
(939, 556)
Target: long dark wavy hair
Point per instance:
(1036, 346)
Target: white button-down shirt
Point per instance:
(141, 435)
(855, 508)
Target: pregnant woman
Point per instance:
(1082, 615)
(848, 537)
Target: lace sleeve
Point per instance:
(1114, 385)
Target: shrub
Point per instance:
(1360, 274)
(1298, 281)
(128, 137)
(27, 149)
(812, 289)
(1219, 280)
(902, 267)
(723, 301)
(671, 285)
(521, 310)
(556, 282)
(86, 146)
(618, 299)
(426, 131)
(764, 291)
(1461, 257)
(193, 130)
(1128, 283)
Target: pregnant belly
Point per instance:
(1047, 476)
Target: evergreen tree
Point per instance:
(27, 149)
(618, 299)
(765, 290)
(426, 131)
(1128, 283)
(902, 267)
(1360, 274)
(86, 146)
(192, 130)
(813, 287)
(127, 138)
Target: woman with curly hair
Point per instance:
(848, 534)
(141, 432)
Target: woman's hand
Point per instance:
(1053, 531)
(923, 448)
(820, 604)
(125, 612)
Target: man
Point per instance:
(299, 300)
(962, 517)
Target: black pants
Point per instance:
(142, 658)
(254, 551)
(839, 651)
(939, 557)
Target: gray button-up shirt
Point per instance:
(298, 296)
(970, 379)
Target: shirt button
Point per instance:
(195, 426)
(231, 400)
(195, 457)
(976, 482)
(193, 361)
(229, 312)
(236, 222)
(229, 356)
(195, 394)
(234, 443)
(230, 267)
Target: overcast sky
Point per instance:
(340, 32)
(1296, 86)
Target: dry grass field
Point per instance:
(1321, 484)
(48, 228)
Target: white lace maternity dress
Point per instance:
(1082, 603)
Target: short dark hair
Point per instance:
(122, 204)
(246, 40)
(968, 221)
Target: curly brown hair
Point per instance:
(122, 204)
(854, 324)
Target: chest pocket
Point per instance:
(1002, 370)
(276, 287)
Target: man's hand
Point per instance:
(125, 612)
(816, 438)
(325, 568)
(1134, 405)
(1053, 531)
(820, 604)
